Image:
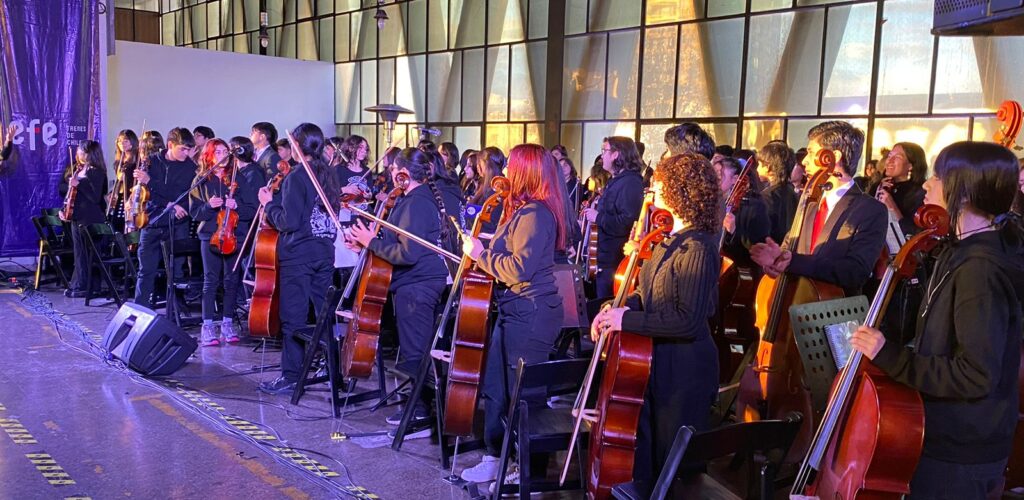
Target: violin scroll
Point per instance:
(501, 185)
(1010, 116)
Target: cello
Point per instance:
(264, 315)
(872, 432)
(472, 328)
(640, 228)
(359, 350)
(627, 368)
(772, 386)
(588, 246)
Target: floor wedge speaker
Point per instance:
(149, 343)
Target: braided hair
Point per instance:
(421, 169)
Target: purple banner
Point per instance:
(49, 66)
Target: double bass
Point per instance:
(264, 315)
(359, 350)
(872, 432)
(773, 385)
(627, 368)
(472, 328)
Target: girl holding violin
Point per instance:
(305, 247)
(88, 179)
(419, 275)
(965, 356)
(209, 204)
(521, 258)
(673, 302)
(350, 156)
(126, 158)
(748, 223)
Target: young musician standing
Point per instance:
(902, 188)
(305, 248)
(419, 275)
(169, 176)
(90, 179)
(521, 258)
(126, 158)
(775, 163)
(350, 157)
(749, 223)
(264, 136)
(843, 241)
(201, 134)
(618, 208)
(206, 203)
(284, 150)
(966, 354)
(675, 298)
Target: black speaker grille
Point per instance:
(951, 6)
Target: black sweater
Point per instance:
(782, 201)
(521, 255)
(909, 196)
(90, 205)
(168, 180)
(246, 196)
(617, 210)
(677, 292)
(966, 353)
(417, 213)
(752, 226)
(307, 231)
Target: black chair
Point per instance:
(320, 338)
(692, 450)
(540, 429)
(128, 246)
(56, 252)
(109, 256)
(176, 304)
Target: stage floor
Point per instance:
(78, 427)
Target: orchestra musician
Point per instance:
(521, 258)
(749, 224)
(284, 150)
(775, 162)
(419, 276)
(264, 136)
(846, 236)
(126, 158)
(618, 208)
(169, 175)
(965, 356)
(201, 134)
(305, 247)
(205, 203)
(89, 178)
(673, 302)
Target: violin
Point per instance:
(589, 243)
(772, 386)
(472, 328)
(135, 216)
(359, 350)
(224, 241)
(264, 309)
(872, 432)
(627, 368)
(67, 212)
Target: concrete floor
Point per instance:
(79, 427)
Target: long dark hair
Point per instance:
(310, 140)
(94, 159)
(629, 157)
(152, 143)
(421, 168)
(917, 159)
(122, 157)
(452, 151)
(245, 144)
(351, 146)
(490, 162)
(982, 174)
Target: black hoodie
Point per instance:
(966, 354)
(417, 213)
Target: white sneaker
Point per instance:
(511, 478)
(482, 472)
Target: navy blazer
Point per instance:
(849, 244)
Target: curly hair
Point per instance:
(690, 188)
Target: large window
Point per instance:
(750, 71)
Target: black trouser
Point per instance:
(299, 282)
(526, 328)
(217, 271)
(940, 480)
(416, 307)
(149, 258)
(682, 386)
(82, 272)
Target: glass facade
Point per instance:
(750, 71)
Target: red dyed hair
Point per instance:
(206, 159)
(535, 176)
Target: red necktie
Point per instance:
(819, 222)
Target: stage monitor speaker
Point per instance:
(978, 18)
(149, 343)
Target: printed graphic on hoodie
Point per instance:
(320, 224)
